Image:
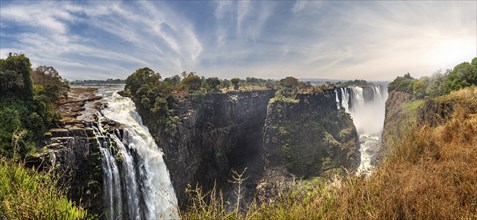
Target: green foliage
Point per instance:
(143, 78)
(28, 109)
(49, 84)
(192, 82)
(27, 194)
(235, 82)
(402, 83)
(279, 97)
(289, 82)
(173, 81)
(153, 95)
(212, 84)
(463, 75)
(15, 75)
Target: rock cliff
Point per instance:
(213, 134)
(73, 149)
(395, 116)
(304, 138)
(220, 132)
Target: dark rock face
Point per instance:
(218, 133)
(311, 136)
(74, 154)
(305, 139)
(214, 134)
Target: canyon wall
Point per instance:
(219, 132)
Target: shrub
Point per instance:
(27, 194)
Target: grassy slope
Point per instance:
(429, 173)
(27, 194)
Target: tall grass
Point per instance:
(28, 194)
(429, 173)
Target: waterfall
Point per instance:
(337, 99)
(132, 164)
(345, 99)
(111, 177)
(157, 194)
(130, 182)
(368, 118)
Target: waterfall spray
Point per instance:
(368, 118)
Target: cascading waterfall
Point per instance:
(157, 195)
(368, 118)
(112, 188)
(142, 178)
(337, 99)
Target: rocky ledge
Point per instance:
(72, 150)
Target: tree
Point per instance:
(51, 83)
(226, 83)
(290, 82)
(463, 75)
(212, 84)
(17, 67)
(143, 77)
(419, 88)
(235, 82)
(192, 82)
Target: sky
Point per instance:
(371, 40)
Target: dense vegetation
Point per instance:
(463, 75)
(429, 171)
(27, 109)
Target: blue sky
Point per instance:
(269, 39)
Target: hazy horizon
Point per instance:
(341, 40)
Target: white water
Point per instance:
(142, 179)
(112, 188)
(368, 118)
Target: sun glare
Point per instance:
(451, 52)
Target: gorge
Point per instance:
(277, 139)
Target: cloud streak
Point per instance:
(324, 39)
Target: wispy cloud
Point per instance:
(324, 39)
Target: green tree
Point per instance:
(235, 82)
(212, 84)
(17, 67)
(461, 76)
(419, 88)
(192, 82)
(142, 78)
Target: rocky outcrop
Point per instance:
(304, 138)
(72, 150)
(74, 155)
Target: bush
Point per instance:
(26, 194)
